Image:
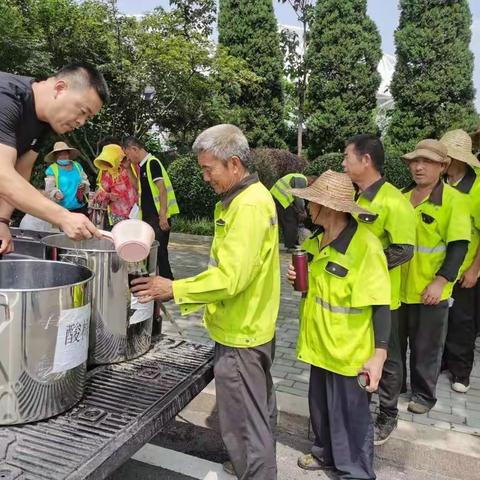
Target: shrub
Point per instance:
(194, 226)
(327, 161)
(195, 197)
(272, 164)
(397, 172)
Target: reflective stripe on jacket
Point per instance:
(172, 207)
(281, 187)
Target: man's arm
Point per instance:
(18, 193)
(162, 214)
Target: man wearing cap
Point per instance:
(29, 110)
(460, 343)
(344, 327)
(393, 221)
(442, 236)
(240, 294)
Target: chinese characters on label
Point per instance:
(71, 348)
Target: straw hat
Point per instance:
(333, 190)
(60, 147)
(430, 149)
(110, 157)
(459, 146)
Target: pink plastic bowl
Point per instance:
(132, 239)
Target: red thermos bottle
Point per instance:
(300, 263)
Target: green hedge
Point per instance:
(194, 226)
(327, 161)
(195, 198)
(272, 164)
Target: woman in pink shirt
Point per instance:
(117, 184)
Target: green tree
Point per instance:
(432, 85)
(248, 29)
(294, 47)
(343, 54)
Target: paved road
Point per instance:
(186, 451)
(454, 411)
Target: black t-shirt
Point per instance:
(19, 126)
(148, 206)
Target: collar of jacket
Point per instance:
(371, 191)
(466, 183)
(228, 197)
(341, 243)
(436, 195)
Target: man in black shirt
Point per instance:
(156, 207)
(30, 109)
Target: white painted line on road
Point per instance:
(181, 463)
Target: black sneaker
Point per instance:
(384, 426)
(460, 384)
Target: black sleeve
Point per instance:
(298, 203)
(10, 113)
(381, 325)
(156, 170)
(397, 254)
(41, 140)
(456, 252)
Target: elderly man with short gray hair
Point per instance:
(240, 292)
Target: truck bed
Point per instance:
(124, 406)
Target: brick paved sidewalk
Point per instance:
(453, 411)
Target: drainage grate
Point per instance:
(123, 407)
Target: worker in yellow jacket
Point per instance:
(240, 294)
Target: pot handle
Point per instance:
(107, 235)
(4, 303)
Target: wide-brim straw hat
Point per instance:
(459, 147)
(333, 190)
(60, 147)
(430, 149)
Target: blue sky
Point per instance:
(384, 12)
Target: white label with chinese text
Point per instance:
(71, 349)
(142, 311)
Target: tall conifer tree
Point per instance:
(432, 85)
(342, 56)
(249, 30)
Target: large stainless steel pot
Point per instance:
(44, 321)
(121, 328)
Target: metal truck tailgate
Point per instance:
(124, 406)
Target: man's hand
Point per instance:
(147, 289)
(433, 293)
(6, 238)
(291, 274)
(78, 227)
(469, 278)
(374, 368)
(163, 222)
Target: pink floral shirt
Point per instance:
(122, 187)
